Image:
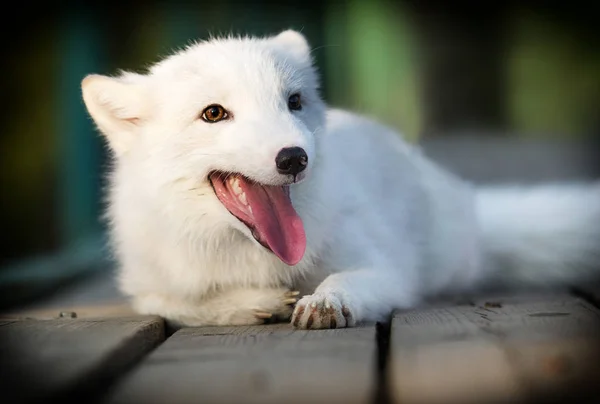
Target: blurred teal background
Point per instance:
(426, 68)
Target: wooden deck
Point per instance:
(495, 349)
(517, 349)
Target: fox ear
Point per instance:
(294, 43)
(117, 106)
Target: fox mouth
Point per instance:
(266, 210)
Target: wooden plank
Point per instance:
(43, 360)
(107, 310)
(265, 364)
(514, 157)
(91, 297)
(517, 349)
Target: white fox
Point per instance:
(235, 191)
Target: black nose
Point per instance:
(291, 160)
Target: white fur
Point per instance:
(385, 227)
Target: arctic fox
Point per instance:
(237, 195)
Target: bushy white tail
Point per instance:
(541, 236)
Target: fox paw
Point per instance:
(322, 310)
(283, 312)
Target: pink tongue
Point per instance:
(269, 210)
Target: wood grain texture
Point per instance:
(45, 359)
(263, 364)
(500, 350)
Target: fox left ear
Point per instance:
(293, 42)
(117, 106)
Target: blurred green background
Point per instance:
(427, 68)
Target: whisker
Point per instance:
(323, 46)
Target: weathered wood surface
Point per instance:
(263, 364)
(513, 159)
(517, 349)
(42, 360)
(108, 310)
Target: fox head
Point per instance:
(212, 122)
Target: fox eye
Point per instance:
(294, 102)
(214, 113)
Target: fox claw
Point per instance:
(263, 315)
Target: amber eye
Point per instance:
(294, 102)
(214, 113)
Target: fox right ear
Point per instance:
(117, 107)
(293, 43)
